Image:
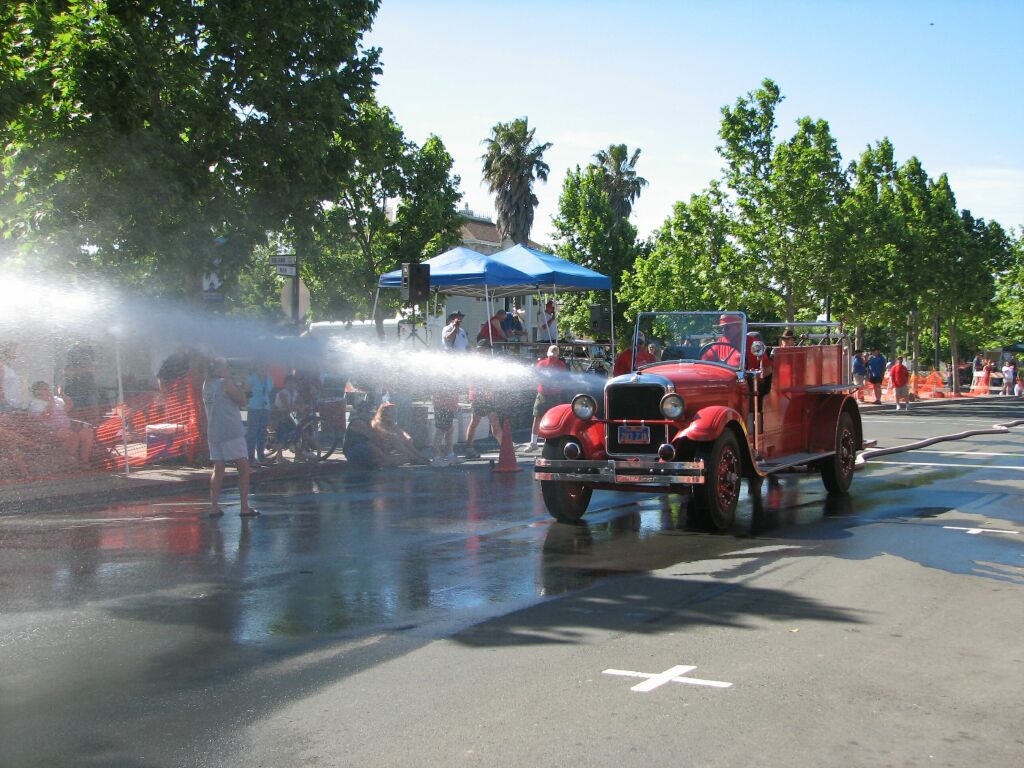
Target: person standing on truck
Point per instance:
(625, 361)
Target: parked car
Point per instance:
(728, 409)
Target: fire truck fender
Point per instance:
(560, 421)
(710, 422)
(825, 418)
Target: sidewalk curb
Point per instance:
(117, 488)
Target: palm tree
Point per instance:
(511, 164)
(620, 180)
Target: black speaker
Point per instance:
(600, 320)
(415, 283)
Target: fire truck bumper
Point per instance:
(620, 472)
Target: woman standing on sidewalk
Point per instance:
(224, 431)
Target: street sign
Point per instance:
(284, 259)
(287, 270)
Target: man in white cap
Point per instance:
(550, 374)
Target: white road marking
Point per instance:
(671, 675)
(976, 531)
(762, 550)
(942, 464)
(970, 453)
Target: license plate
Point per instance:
(634, 435)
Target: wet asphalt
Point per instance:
(148, 634)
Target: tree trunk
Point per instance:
(858, 341)
(917, 347)
(954, 371)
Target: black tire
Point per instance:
(837, 470)
(318, 438)
(566, 502)
(716, 499)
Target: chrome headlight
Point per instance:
(757, 348)
(672, 406)
(584, 407)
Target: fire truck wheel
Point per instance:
(837, 470)
(717, 497)
(567, 502)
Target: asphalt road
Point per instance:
(436, 617)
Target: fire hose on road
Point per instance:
(995, 429)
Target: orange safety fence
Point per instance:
(158, 426)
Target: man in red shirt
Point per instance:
(550, 374)
(900, 378)
(625, 362)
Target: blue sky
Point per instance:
(943, 80)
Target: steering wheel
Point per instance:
(717, 348)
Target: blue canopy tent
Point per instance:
(516, 271)
(464, 272)
(546, 269)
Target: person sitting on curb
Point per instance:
(362, 446)
(393, 440)
(75, 437)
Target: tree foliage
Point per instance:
(512, 162)
(786, 231)
(135, 133)
(396, 203)
(619, 177)
(590, 231)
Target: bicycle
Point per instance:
(316, 436)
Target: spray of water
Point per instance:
(33, 309)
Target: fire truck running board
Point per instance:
(792, 460)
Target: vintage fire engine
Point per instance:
(719, 406)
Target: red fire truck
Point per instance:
(718, 406)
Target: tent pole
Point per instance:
(373, 314)
(120, 404)
(490, 332)
(611, 310)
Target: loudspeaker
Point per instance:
(415, 283)
(600, 320)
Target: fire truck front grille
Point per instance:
(635, 402)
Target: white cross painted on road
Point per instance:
(671, 675)
(976, 531)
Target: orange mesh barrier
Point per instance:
(160, 427)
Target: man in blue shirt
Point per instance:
(876, 372)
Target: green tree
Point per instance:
(136, 134)
(512, 162)
(768, 236)
(620, 179)
(589, 231)
(694, 263)
(1009, 304)
(787, 197)
(396, 202)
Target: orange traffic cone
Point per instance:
(507, 456)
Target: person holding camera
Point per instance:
(453, 337)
